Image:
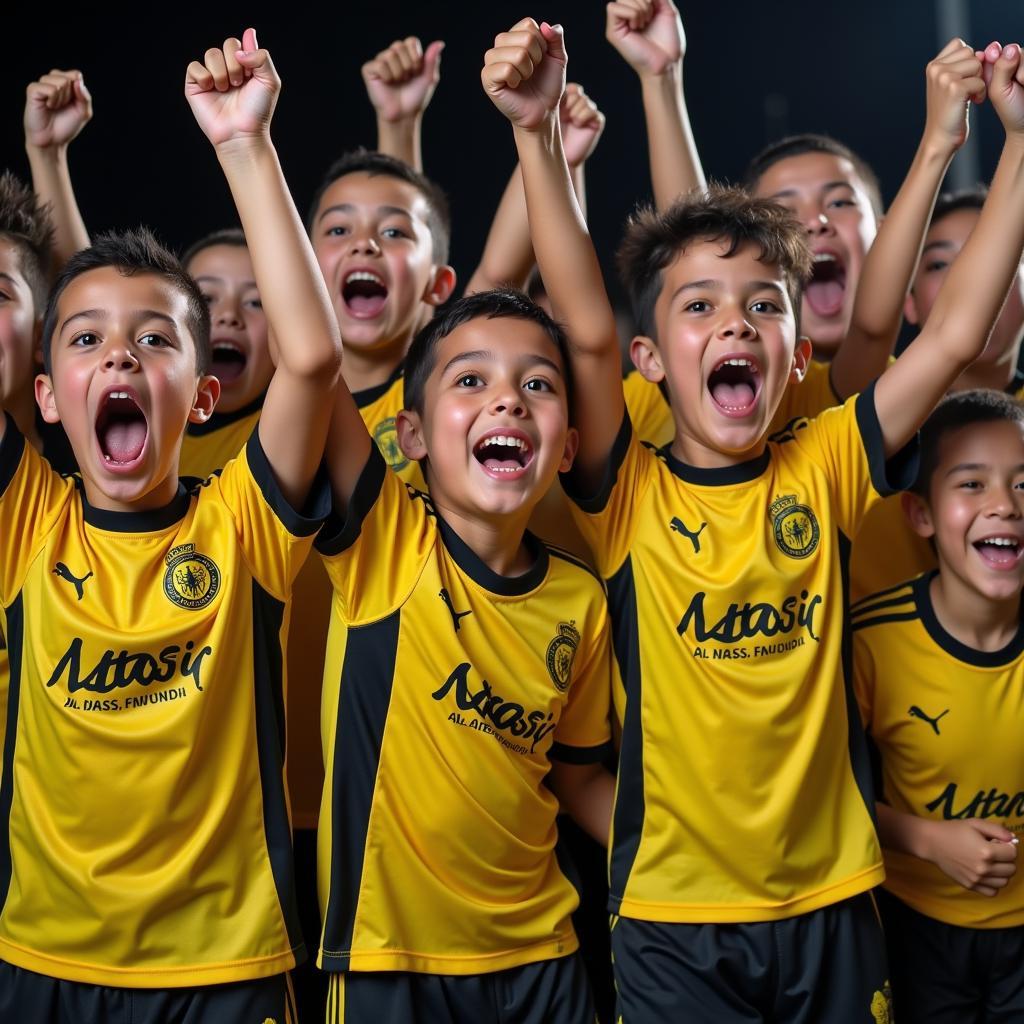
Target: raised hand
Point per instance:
(524, 72)
(955, 78)
(234, 90)
(648, 33)
(1004, 72)
(57, 108)
(582, 124)
(401, 80)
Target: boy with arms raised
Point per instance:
(145, 843)
(939, 673)
(462, 672)
(724, 560)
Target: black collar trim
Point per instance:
(718, 476)
(474, 567)
(151, 521)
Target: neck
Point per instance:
(695, 453)
(162, 494)
(22, 406)
(499, 542)
(977, 621)
(363, 369)
(997, 376)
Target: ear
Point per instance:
(572, 444)
(801, 359)
(409, 427)
(44, 398)
(646, 358)
(440, 286)
(207, 393)
(910, 310)
(918, 514)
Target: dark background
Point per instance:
(754, 70)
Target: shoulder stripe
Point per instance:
(568, 556)
(871, 607)
(906, 585)
(880, 620)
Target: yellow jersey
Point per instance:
(945, 719)
(210, 446)
(447, 690)
(144, 836)
(744, 789)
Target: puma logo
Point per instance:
(447, 598)
(694, 538)
(61, 570)
(916, 712)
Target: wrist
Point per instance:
(243, 149)
(670, 77)
(937, 147)
(922, 839)
(400, 122)
(46, 154)
(545, 130)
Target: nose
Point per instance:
(120, 357)
(226, 313)
(509, 400)
(364, 244)
(734, 326)
(1004, 502)
(816, 222)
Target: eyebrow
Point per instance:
(975, 467)
(102, 314)
(9, 277)
(827, 187)
(221, 280)
(485, 354)
(939, 243)
(350, 208)
(710, 283)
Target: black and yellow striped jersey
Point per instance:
(945, 719)
(144, 837)
(210, 446)
(447, 690)
(744, 783)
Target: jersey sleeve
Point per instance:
(584, 734)
(375, 550)
(649, 411)
(846, 443)
(32, 496)
(607, 517)
(274, 537)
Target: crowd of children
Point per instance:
(338, 609)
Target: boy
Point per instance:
(146, 864)
(740, 882)
(482, 655)
(887, 550)
(949, 646)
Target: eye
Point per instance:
(469, 380)
(969, 485)
(842, 201)
(394, 232)
(208, 298)
(538, 384)
(4, 297)
(697, 306)
(153, 340)
(337, 231)
(86, 339)
(253, 304)
(765, 306)
(932, 266)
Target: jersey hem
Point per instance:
(184, 976)
(938, 911)
(420, 963)
(748, 913)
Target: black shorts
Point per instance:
(549, 992)
(947, 974)
(825, 966)
(26, 996)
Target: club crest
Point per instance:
(191, 580)
(796, 527)
(561, 652)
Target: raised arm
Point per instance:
(976, 285)
(953, 79)
(524, 75)
(649, 35)
(508, 254)
(233, 94)
(57, 108)
(400, 82)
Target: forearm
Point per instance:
(672, 151)
(51, 182)
(402, 139)
(508, 252)
(904, 833)
(589, 803)
(292, 288)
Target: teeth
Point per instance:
(824, 257)
(364, 275)
(225, 346)
(738, 362)
(502, 439)
(117, 394)
(1001, 542)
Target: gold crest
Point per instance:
(881, 1005)
(561, 652)
(796, 527)
(386, 436)
(192, 579)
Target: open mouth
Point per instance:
(503, 454)
(121, 429)
(826, 290)
(364, 294)
(228, 363)
(1002, 552)
(735, 384)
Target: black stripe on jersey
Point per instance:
(630, 809)
(136, 522)
(867, 620)
(568, 556)
(860, 757)
(717, 476)
(340, 533)
(220, 420)
(15, 633)
(267, 616)
(905, 598)
(11, 448)
(580, 755)
(480, 572)
(887, 475)
(367, 675)
(317, 504)
(594, 502)
(870, 598)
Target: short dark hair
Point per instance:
(811, 142)
(223, 236)
(25, 222)
(653, 239)
(490, 305)
(133, 252)
(365, 161)
(962, 409)
(972, 198)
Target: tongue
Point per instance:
(996, 555)
(733, 396)
(227, 368)
(492, 463)
(366, 305)
(825, 297)
(123, 440)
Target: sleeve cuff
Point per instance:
(580, 755)
(594, 503)
(888, 476)
(302, 523)
(11, 449)
(342, 530)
